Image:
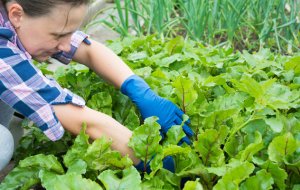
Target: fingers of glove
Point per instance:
(186, 140)
(165, 128)
(177, 120)
(188, 122)
(169, 164)
(143, 168)
(162, 134)
(180, 113)
(188, 131)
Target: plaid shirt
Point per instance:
(25, 88)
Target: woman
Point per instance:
(39, 29)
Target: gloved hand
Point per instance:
(150, 104)
(168, 163)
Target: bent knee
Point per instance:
(6, 146)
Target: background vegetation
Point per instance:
(242, 24)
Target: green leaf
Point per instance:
(236, 173)
(165, 62)
(280, 96)
(78, 167)
(143, 72)
(189, 164)
(156, 164)
(170, 150)
(261, 181)
(99, 147)
(208, 146)
(155, 183)
(213, 81)
(282, 146)
(225, 185)
(250, 86)
(228, 102)
(78, 149)
(175, 45)
(233, 146)
(252, 148)
(293, 64)
(111, 159)
(20, 178)
(124, 111)
(185, 91)
(192, 185)
(135, 56)
(41, 161)
(254, 88)
(259, 125)
(145, 139)
(296, 187)
(69, 181)
(275, 124)
(99, 156)
(116, 46)
(80, 68)
(130, 179)
(278, 174)
(102, 102)
(168, 178)
(131, 120)
(219, 171)
(174, 135)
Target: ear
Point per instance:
(15, 14)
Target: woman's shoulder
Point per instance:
(6, 33)
(8, 45)
(9, 52)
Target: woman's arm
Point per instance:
(109, 66)
(104, 62)
(98, 125)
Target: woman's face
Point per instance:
(45, 35)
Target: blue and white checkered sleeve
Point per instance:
(77, 38)
(27, 90)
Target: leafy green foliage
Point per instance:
(244, 109)
(145, 139)
(71, 181)
(35, 142)
(192, 185)
(97, 156)
(82, 161)
(130, 178)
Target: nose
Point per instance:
(65, 44)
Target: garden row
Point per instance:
(244, 109)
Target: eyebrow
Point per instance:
(62, 34)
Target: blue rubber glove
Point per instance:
(168, 163)
(150, 104)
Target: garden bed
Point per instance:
(242, 107)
